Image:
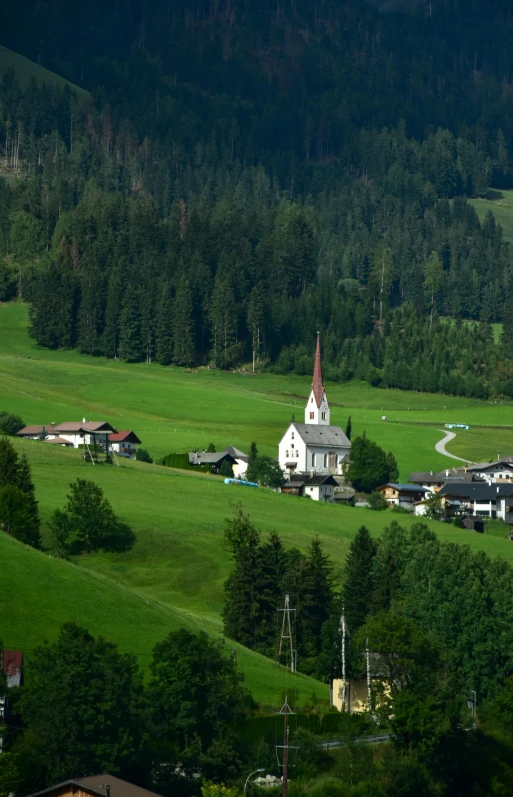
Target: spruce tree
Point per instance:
(348, 428)
(130, 343)
(183, 324)
(358, 579)
(393, 470)
(270, 592)
(241, 605)
(26, 485)
(9, 463)
(314, 601)
(164, 329)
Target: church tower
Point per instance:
(317, 410)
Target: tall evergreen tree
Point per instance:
(358, 579)
(164, 327)
(183, 325)
(131, 345)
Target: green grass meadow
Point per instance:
(26, 69)
(500, 202)
(174, 574)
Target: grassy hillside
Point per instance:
(26, 70)
(174, 410)
(501, 205)
(175, 572)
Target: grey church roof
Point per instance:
(331, 436)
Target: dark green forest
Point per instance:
(244, 174)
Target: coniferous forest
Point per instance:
(242, 174)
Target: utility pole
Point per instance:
(343, 627)
(286, 634)
(367, 658)
(286, 710)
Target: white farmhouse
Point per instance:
(314, 447)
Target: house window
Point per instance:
(311, 416)
(313, 460)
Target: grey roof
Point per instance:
(237, 453)
(330, 436)
(439, 477)
(313, 480)
(209, 457)
(477, 491)
(504, 461)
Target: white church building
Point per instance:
(314, 447)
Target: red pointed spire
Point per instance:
(317, 384)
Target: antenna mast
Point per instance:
(286, 634)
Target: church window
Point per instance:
(325, 460)
(311, 400)
(292, 435)
(286, 453)
(313, 459)
(311, 416)
(323, 416)
(297, 453)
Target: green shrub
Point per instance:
(142, 455)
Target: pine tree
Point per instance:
(26, 485)
(358, 579)
(314, 600)
(241, 605)
(164, 329)
(348, 428)
(131, 346)
(183, 326)
(393, 470)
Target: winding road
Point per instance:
(440, 446)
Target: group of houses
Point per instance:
(76, 434)
(480, 491)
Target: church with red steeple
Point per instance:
(314, 449)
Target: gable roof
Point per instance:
(506, 462)
(60, 441)
(440, 477)
(317, 383)
(125, 436)
(329, 436)
(97, 786)
(209, 457)
(477, 491)
(34, 429)
(83, 426)
(237, 453)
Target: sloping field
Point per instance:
(26, 69)
(174, 575)
(500, 202)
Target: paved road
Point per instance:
(440, 446)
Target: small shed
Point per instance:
(474, 524)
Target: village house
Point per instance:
(318, 487)
(402, 494)
(12, 667)
(104, 785)
(124, 443)
(74, 432)
(434, 481)
(474, 499)
(314, 447)
(495, 472)
(213, 458)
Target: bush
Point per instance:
(142, 455)
(377, 501)
(10, 424)
(266, 471)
